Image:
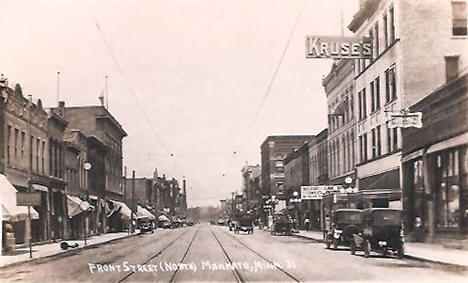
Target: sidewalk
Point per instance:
(21, 255)
(419, 251)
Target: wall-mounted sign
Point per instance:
(316, 192)
(405, 120)
(28, 198)
(338, 47)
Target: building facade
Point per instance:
(435, 166)
(391, 81)
(251, 178)
(340, 91)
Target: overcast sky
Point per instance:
(186, 77)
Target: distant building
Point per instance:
(273, 151)
(251, 185)
(318, 159)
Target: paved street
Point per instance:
(202, 252)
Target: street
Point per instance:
(212, 253)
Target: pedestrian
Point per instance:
(307, 224)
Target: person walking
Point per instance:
(307, 224)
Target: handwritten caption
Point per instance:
(253, 266)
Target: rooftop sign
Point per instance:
(338, 47)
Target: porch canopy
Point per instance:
(76, 206)
(10, 211)
(143, 212)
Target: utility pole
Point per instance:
(125, 189)
(133, 200)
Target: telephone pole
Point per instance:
(133, 201)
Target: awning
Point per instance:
(122, 208)
(143, 212)
(40, 188)
(453, 142)
(76, 206)
(10, 211)
(163, 217)
(93, 197)
(387, 180)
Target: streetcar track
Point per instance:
(174, 275)
(153, 256)
(234, 270)
(261, 256)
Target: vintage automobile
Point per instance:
(345, 223)
(381, 232)
(145, 224)
(221, 221)
(244, 224)
(164, 222)
(282, 223)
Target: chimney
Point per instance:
(184, 187)
(155, 174)
(61, 107)
(101, 99)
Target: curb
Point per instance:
(63, 253)
(421, 259)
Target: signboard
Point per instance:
(338, 47)
(405, 119)
(28, 198)
(316, 192)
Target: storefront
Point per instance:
(435, 167)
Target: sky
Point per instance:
(187, 79)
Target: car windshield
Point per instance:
(387, 217)
(349, 217)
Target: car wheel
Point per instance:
(366, 248)
(335, 244)
(400, 252)
(352, 248)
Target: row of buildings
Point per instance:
(71, 156)
(421, 170)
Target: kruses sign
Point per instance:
(338, 47)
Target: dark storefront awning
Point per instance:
(76, 206)
(387, 180)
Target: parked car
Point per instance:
(345, 223)
(281, 224)
(221, 221)
(381, 232)
(212, 222)
(145, 224)
(164, 222)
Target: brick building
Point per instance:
(403, 49)
(435, 186)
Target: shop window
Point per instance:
(448, 190)
(459, 15)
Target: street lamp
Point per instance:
(86, 166)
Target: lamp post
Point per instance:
(86, 166)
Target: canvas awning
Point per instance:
(143, 212)
(10, 211)
(122, 208)
(76, 206)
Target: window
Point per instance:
(392, 25)
(385, 28)
(43, 157)
(389, 139)
(364, 103)
(8, 142)
(377, 93)
(31, 141)
(16, 143)
(361, 151)
(371, 37)
(351, 107)
(374, 144)
(23, 138)
(38, 142)
(379, 142)
(360, 104)
(372, 89)
(376, 42)
(459, 22)
(451, 68)
(390, 84)
(365, 145)
(448, 189)
(395, 138)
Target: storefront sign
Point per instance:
(28, 198)
(405, 120)
(316, 192)
(338, 47)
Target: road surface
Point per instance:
(212, 253)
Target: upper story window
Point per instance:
(376, 41)
(390, 84)
(392, 25)
(459, 15)
(385, 30)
